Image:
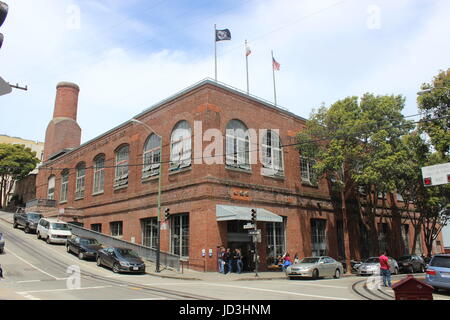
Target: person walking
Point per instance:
(384, 268)
(238, 258)
(286, 261)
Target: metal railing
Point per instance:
(147, 253)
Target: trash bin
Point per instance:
(412, 289)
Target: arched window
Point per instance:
(99, 174)
(180, 146)
(80, 184)
(308, 173)
(122, 155)
(152, 156)
(51, 188)
(237, 145)
(271, 154)
(64, 186)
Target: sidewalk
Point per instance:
(189, 274)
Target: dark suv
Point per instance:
(27, 220)
(411, 263)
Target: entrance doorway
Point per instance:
(238, 238)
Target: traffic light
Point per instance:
(3, 14)
(253, 215)
(167, 213)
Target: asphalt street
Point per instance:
(36, 270)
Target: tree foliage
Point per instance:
(16, 162)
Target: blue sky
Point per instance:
(129, 55)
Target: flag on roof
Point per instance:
(275, 64)
(224, 34)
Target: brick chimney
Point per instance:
(63, 131)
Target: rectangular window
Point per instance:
(275, 240)
(51, 188)
(97, 227)
(318, 237)
(79, 190)
(64, 187)
(149, 228)
(151, 163)
(308, 174)
(179, 234)
(99, 175)
(116, 228)
(121, 178)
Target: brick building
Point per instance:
(211, 135)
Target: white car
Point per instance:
(53, 230)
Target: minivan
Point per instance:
(53, 230)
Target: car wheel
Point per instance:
(315, 274)
(48, 240)
(15, 225)
(115, 268)
(337, 274)
(68, 249)
(81, 256)
(99, 262)
(38, 235)
(27, 229)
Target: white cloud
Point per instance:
(124, 64)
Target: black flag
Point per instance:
(224, 34)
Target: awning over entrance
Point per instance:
(226, 213)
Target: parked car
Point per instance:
(438, 272)
(411, 263)
(2, 243)
(315, 267)
(85, 248)
(372, 266)
(28, 221)
(120, 260)
(53, 230)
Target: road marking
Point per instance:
(48, 274)
(282, 292)
(28, 281)
(59, 290)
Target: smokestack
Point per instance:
(63, 131)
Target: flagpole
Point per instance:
(215, 53)
(274, 88)
(246, 64)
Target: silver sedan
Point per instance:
(315, 267)
(372, 266)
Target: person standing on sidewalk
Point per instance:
(229, 261)
(221, 260)
(384, 268)
(238, 258)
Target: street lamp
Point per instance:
(158, 245)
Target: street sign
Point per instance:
(254, 232)
(436, 175)
(249, 226)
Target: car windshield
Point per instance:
(34, 216)
(126, 253)
(372, 260)
(440, 262)
(89, 242)
(309, 260)
(59, 226)
(404, 258)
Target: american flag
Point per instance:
(275, 64)
(247, 50)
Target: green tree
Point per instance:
(16, 162)
(357, 146)
(435, 102)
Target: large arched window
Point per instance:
(121, 177)
(152, 156)
(271, 154)
(99, 174)
(180, 146)
(51, 188)
(80, 183)
(237, 145)
(64, 186)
